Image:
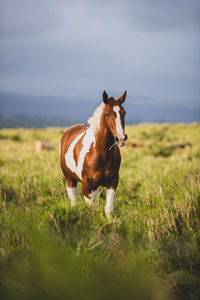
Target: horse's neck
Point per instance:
(104, 140)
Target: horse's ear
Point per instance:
(105, 97)
(122, 98)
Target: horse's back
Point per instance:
(70, 134)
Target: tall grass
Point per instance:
(149, 250)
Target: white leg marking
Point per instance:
(118, 120)
(91, 197)
(110, 193)
(88, 139)
(72, 193)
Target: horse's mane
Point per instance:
(95, 120)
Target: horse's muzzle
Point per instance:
(121, 140)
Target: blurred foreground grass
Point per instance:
(149, 250)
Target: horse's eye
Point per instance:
(107, 114)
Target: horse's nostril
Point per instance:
(125, 138)
(116, 139)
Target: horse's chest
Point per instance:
(102, 171)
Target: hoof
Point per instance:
(88, 201)
(109, 214)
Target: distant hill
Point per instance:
(41, 111)
(44, 106)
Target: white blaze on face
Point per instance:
(119, 127)
(88, 139)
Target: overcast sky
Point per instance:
(77, 49)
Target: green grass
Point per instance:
(149, 250)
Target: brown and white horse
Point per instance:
(90, 153)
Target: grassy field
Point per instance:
(149, 250)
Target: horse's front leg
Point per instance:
(110, 193)
(89, 192)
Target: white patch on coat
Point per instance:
(69, 156)
(95, 120)
(88, 139)
(72, 193)
(110, 193)
(89, 200)
(119, 127)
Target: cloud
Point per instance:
(25, 17)
(82, 47)
(161, 15)
(28, 18)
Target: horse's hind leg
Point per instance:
(72, 191)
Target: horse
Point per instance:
(90, 153)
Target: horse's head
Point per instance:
(114, 116)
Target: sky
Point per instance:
(78, 48)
